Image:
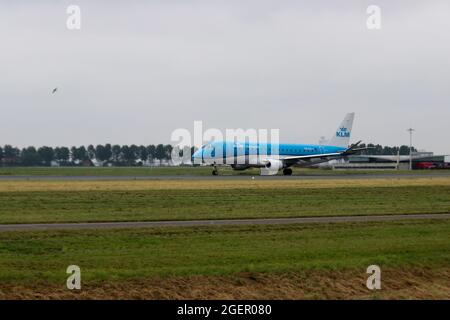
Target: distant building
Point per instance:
(54, 163)
(420, 160)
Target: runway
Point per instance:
(434, 174)
(198, 223)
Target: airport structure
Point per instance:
(420, 160)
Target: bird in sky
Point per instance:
(54, 90)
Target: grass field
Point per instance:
(77, 201)
(140, 261)
(163, 171)
(315, 261)
(104, 171)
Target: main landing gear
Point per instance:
(215, 172)
(287, 171)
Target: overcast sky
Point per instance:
(137, 70)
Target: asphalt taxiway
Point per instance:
(412, 175)
(229, 222)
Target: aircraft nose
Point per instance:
(197, 155)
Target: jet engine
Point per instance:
(274, 165)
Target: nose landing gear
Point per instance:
(287, 171)
(215, 172)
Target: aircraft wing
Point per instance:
(314, 156)
(350, 150)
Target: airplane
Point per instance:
(271, 158)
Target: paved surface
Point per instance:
(193, 223)
(240, 177)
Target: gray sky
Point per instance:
(137, 70)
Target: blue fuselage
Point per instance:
(227, 150)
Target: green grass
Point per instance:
(180, 204)
(156, 171)
(143, 253)
(107, 171)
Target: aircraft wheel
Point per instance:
(215, 173)
(287, 171)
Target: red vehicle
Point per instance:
(424, 165)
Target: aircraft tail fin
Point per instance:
(341, 137)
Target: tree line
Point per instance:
(116, 155)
